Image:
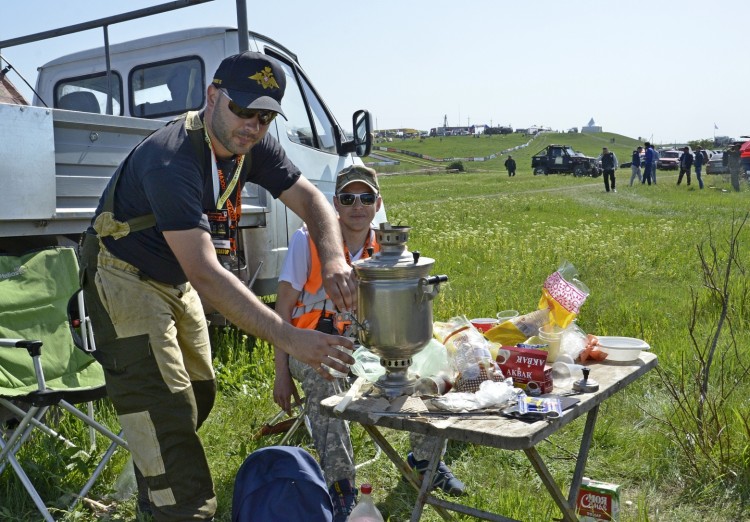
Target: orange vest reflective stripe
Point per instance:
(313, 299)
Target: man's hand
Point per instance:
(283, 391)
(340, 284)
(315, 348)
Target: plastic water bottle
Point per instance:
(365, 510)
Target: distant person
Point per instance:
(635, 166)
(698, 162)
(510, 165)
(650, 165)
(686, 163)
(656, 159)
(609, 166)
(733, 161)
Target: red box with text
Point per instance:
(527, 367)
(598, 501)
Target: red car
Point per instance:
(669, 160)
(745, 158)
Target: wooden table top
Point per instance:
(492, 430)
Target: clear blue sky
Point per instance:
(666, 69)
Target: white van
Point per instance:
(99, 116)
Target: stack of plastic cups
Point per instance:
(551, 335)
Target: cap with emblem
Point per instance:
(356, 173)
(252, 80)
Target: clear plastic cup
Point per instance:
(336, 374)
(506, 315)
(551, 337)
(563, 374)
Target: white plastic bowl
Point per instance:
(622, 349)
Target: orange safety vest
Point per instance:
(313, 301)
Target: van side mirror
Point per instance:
(361, 145)
(362, 125)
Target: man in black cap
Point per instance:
(170, 208)
(510, 165)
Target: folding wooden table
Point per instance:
(493, 431)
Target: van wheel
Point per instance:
(579, 171)
(540, 171)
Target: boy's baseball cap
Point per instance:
(252, 80)
(356, 173)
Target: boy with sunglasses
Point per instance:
(302, 300)
(164, 219)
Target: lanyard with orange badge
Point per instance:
(223, 223)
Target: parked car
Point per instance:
(562, 159)
(716, 164)
(669, 160)
(745, 158)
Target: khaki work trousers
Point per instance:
(152, 340)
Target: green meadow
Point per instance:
(664, 263)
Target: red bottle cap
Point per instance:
(366, 489)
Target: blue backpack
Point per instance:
(280, 483)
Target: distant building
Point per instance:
(722, 141)
(499, 130)
(591, 127)
(450, 131)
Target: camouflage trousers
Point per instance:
(331, 436)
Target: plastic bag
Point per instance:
(490, 394)
(496, 393)
(563, 294)
(572, 341)
(466, 347)
(431, 361)
(518, 329)
(367, 364)
(468, 350)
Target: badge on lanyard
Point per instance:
(224, 220)
(220, 226)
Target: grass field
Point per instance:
(498, 238)
(484, 146)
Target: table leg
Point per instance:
(405, 470)
(568, 512)
(424, 491)
(440, 505)
(583, 455)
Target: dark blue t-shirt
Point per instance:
(163, 177)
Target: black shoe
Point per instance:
(443, 479)
(344, 497)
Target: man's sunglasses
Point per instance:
(347, 199)
(264, 116)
